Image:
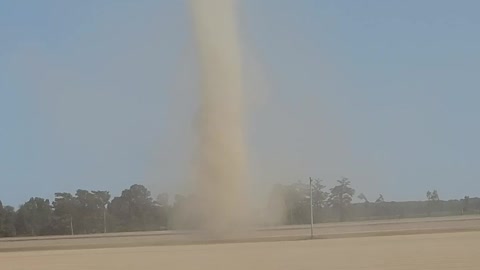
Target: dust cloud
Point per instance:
(221, 167)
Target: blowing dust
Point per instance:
(221, 163)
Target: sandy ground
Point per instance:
(322, 231)
(430, 243)
(426, 251)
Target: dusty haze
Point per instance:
(221, 159)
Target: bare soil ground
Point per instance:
(426, 251)
(438, 243)
(322, 231)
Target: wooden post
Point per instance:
(311, 209)
(105, 220)
(71, 224)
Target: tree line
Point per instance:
(87, 212)
(335, 204)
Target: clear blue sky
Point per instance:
(101, 95)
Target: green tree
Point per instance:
(319, 200)
(380, 199)
(102, 199)
(433, 196)
(7, 220)
(135, 210)
(319, 195)
(381, 208)
(162, 210)
(432, 201)
(83, 213)
(297, 201)
(291, 203)
(341, 197)
(465, 204)
(66, 213)
(184, 214)
(34, 217)
(91, 210)
(366, 210)
(362, 197)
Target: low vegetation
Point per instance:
(87, 212)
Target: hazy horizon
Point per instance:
(102, 95)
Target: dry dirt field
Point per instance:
(430, 246)
(428, 251)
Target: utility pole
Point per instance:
(105, 219)
(311, 209)
(71, 224)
